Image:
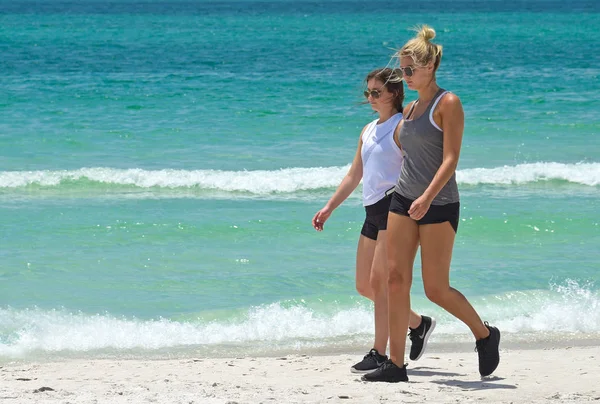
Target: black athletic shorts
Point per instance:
(377, 215)
(436, 213)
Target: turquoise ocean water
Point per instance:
(160, 162)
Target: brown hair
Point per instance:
(392, 81)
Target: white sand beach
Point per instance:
(567, 374)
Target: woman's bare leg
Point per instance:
(378, 283)
(402, 244)
(437, 241)
(379, 286)
(364, 261)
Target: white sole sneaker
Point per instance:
(426, 338)
(362, 372)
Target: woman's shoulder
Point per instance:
(449, 102)
(449, 98)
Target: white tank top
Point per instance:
(381, 158)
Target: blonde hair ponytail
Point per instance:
(421, 49)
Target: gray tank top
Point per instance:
(422, 147)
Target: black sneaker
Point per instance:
(370, 362)
(419, 336)
(389, 372)
(487, 350)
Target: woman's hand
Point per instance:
(419, 207)
(320, 218)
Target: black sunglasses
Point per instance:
(407, 71)
(373, 93)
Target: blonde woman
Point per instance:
(425, 209)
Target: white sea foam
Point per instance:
(581, 173)
(257, 182)
(287, 180)
(566, 308)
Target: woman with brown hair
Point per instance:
(377, 163)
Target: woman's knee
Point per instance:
(436, 293)
(363, 288)
(399, 279)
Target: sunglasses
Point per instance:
(407, 71)
(373, 93)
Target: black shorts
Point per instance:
(436, 213)
(376, 219)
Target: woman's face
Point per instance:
(377, 95)
(416, 77)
